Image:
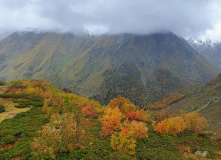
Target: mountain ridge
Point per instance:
(80, 62)
(210, 50)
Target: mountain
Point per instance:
(143, 68)
(210, 50)
(206, 100)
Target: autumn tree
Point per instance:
(123, 104)
(172, 126)
(195, 123)
(139, 115)
(137, 129)
(111, 121)
(123, 143)
(161, 115)
(62, 134)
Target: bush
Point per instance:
(195, 123)
(9, 139)
(123, 104)
(136, 129)
(21, 106)
(139, 115)
(63, 134)
(111, 121)
(171, 126)
(90, 111)
(123, 143)
(2, 108)
(2, 83)
(161, 115)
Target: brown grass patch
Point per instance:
(10, 109)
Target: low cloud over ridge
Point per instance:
(186, 18)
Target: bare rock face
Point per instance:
(210, 50)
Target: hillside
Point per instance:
(62, 125)
(143, 68)
(206, 99)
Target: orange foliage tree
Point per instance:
(111, 121)
(172, 126)
(137, 129)
(90, 111)
(139, 115)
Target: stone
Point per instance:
(198, 153)
(204, 153)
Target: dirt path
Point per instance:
(10, 109)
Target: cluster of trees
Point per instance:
(68, 117)
(64, 133)
(125, 123)
(67, 129)
(177, 124)
(124, 81)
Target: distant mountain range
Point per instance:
(210, 50)
(143, 68)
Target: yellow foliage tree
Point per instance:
(123, 104)
(123, 143)
(195, 123)
(33, 90)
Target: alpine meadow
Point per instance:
(124, 80)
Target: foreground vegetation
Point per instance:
(61, 125)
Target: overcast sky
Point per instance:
(188, 18)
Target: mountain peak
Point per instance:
(135, 66)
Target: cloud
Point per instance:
(186, 18)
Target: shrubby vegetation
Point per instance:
(61, 125)
(2, 83)
(159, 105)
(16, 134)
(2, 108)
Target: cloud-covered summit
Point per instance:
(186, 18)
